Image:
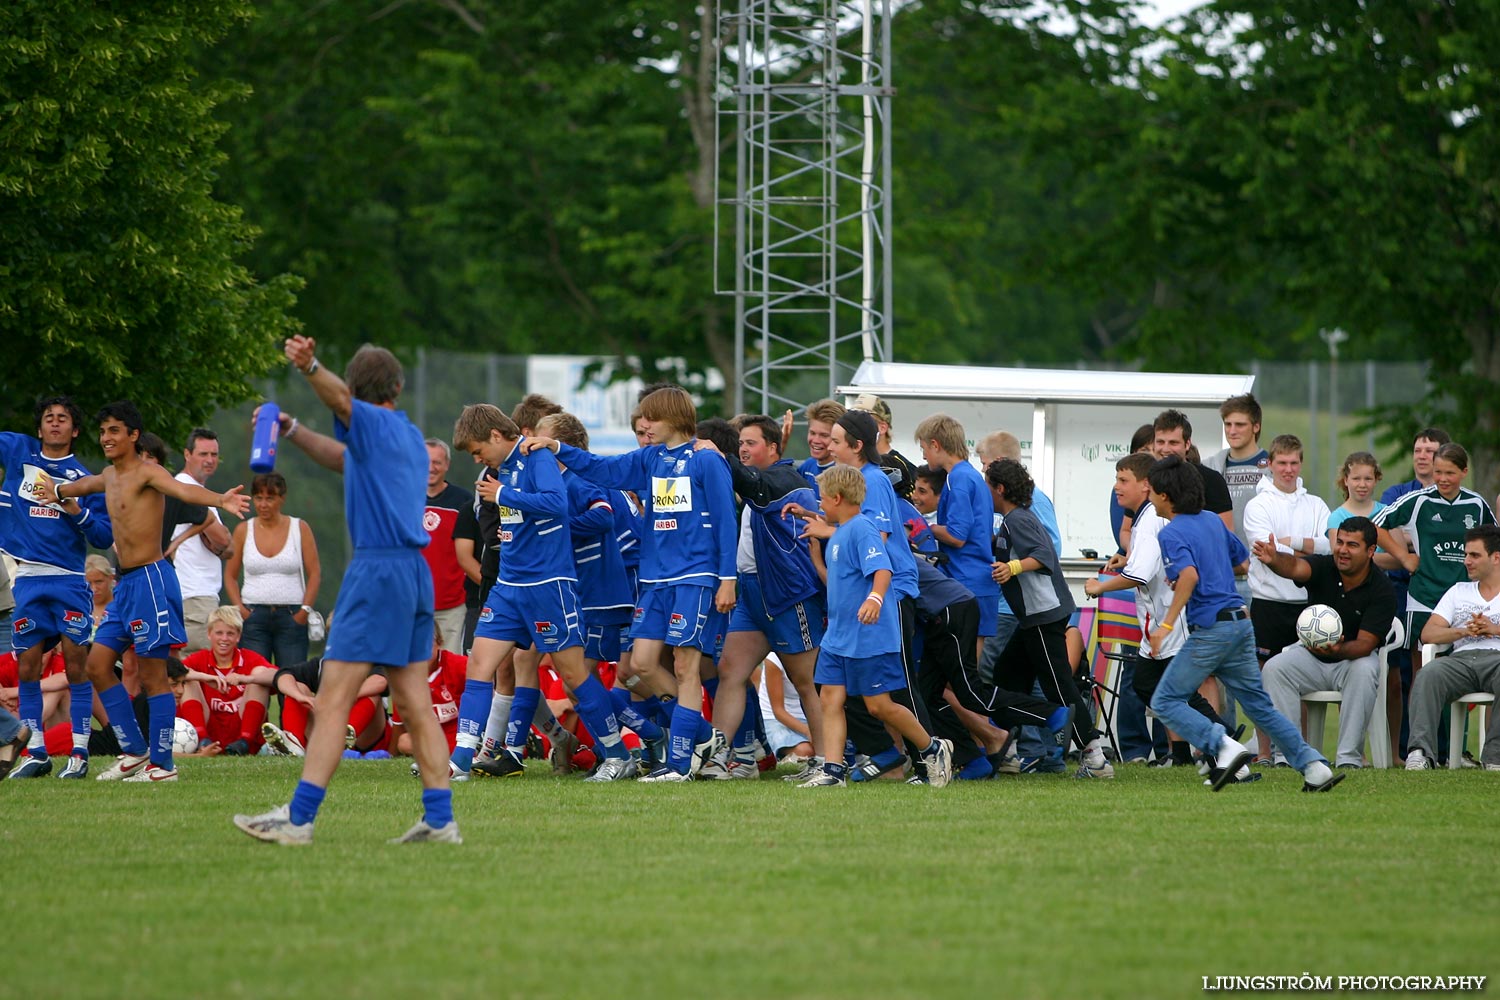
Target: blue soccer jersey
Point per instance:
(691, 528)
(854, 555)
(811, 469)
(884, 512)
(42, 533)
(1203, 542)
(605, 595)
(630, 526)
(536, 546)
(967, 511)
(385, 478)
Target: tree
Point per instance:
(119, 273)
(1272, 167)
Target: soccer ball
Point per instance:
(1319, 625)
(184, 737)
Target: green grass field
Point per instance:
(1033, 886)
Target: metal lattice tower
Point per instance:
(810, 112)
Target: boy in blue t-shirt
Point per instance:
(1199, 555)
(861, 650)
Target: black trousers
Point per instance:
(948, 660)
(1148, 674)
(1039, 654)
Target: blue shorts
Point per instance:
(879, 673)
(51, 606)
(383, 614)
(146, 612)
(545, 615)
(796, 630)
(989, 617)
(680, 615)
(605, 643)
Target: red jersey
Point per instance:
(224, 705)
(439, 520)
(445, 681)
(10, 669)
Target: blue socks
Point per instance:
(1057, 720)
(29, 703)
(598, 714)
(437, 807)
(122, 720)
(474, 709)
(625, 711)
(80, 708)
(306, 800)
(162, 718)
(521, 711)
(685, 723)
(976, 770)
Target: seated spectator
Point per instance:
(1468, 616)
(1357, 479)
(280, 558)
(787, 734)
(1349, 582)
(101, 577)
(365, 729)
(236, 682)
(192, 705)
(446, 673)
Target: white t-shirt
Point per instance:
(1144, 566)
(1461, 603)
(200, 573)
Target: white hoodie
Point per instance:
(1272, 513)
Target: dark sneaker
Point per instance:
(239, 748)
(503, 765)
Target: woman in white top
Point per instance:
(280, 560)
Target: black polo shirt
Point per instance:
(1367, 608)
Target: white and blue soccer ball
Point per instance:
(1319, 625)
(184, 737)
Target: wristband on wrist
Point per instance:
(291, 429)
(310, 368)
(1015, 567)
(1166, 625)
(878, 599)
(58, 490)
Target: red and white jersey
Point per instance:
(445, 681)
(224, 701)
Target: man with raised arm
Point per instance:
(383, 615)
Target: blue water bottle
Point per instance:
(263, 441)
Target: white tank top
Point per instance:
(273, 579)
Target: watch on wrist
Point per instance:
(306, 607)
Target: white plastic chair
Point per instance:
(1379, 733)
(1458, 712)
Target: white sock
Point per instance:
(494, 729)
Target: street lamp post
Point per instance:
(1333, 338)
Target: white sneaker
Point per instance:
(124, 767)
(810, 767)
(276, 827)
(706, 751)
(561, 755)
(716, 769)
(940, 764)
(1093, 763)
(424, 834)
(281, 742)
(614, 769)
(1231, 757)
(1492, 767)
(1319, 777)
(743, 768)
(666, 774)
(153, 773)
(1416, 760)
(77, 767)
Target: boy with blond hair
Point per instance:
(861, 651)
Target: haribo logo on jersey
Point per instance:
(23, 625)
(544, 629)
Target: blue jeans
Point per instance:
(10, 726)
(272, 632)
(1225, 650)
